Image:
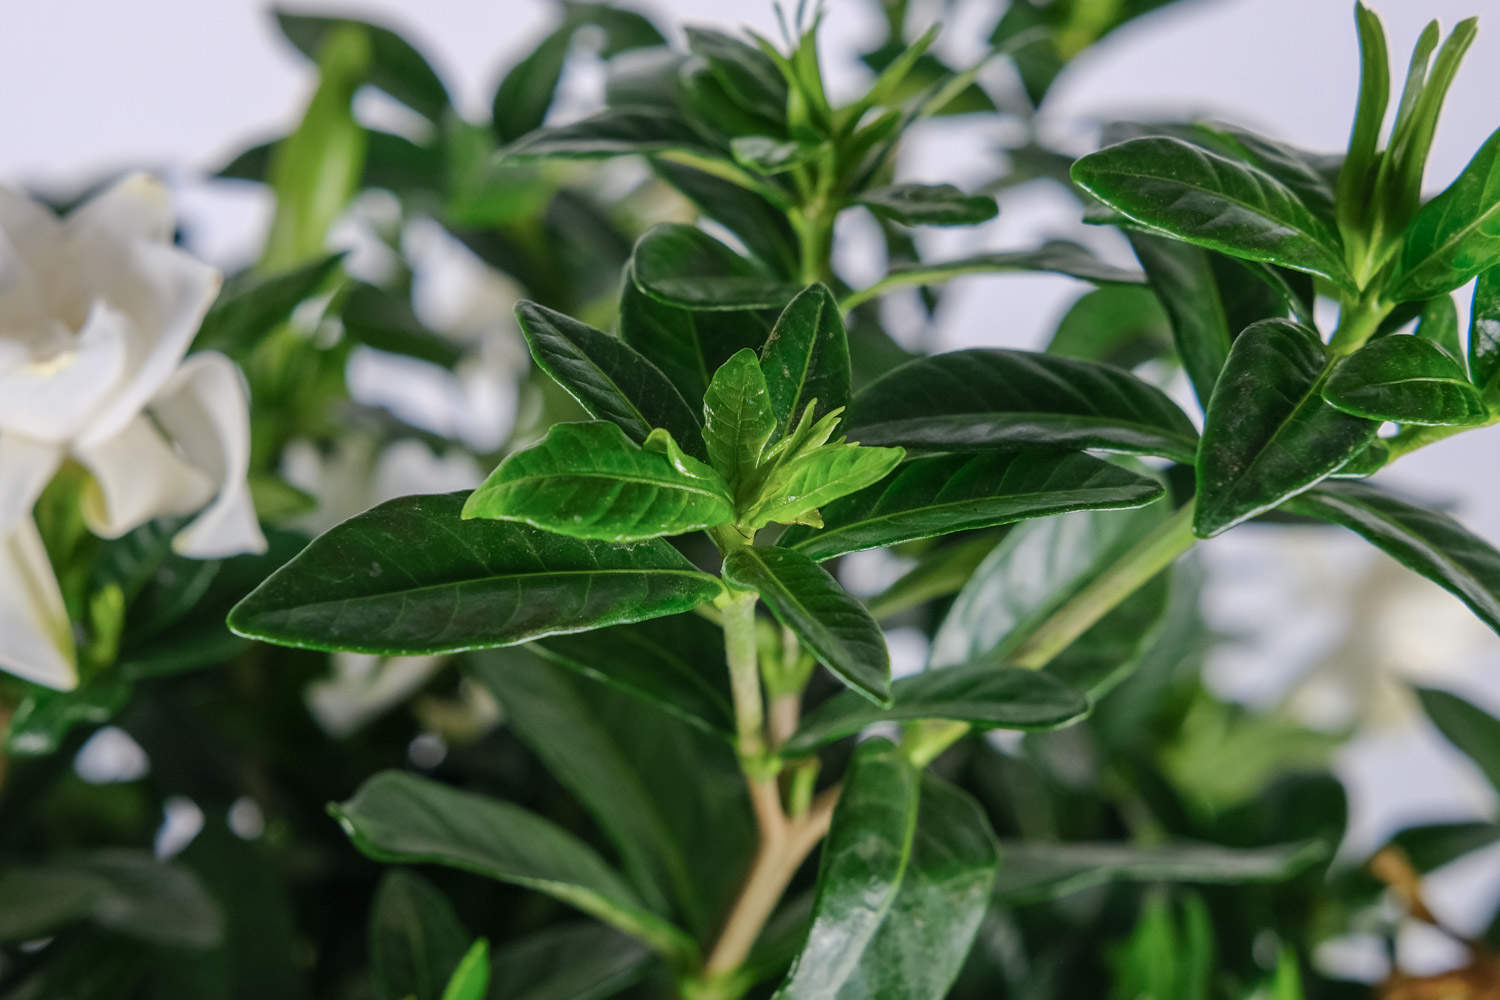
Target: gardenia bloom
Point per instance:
(96, 313)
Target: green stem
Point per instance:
(1357, 323)
(744, 676)
(814, 227)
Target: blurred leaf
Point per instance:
(761, 226)
(687, 268)
(928, 205)
(471, 980)
(416, 940)
(250, 305)
(1471, 729)
(386, 322)
(582, 962)
(1118, 325)
(395, 66)
(626, 131)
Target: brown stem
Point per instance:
(786, 713)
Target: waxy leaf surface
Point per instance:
(1484, 334)
(806, 357)
(738, 423)
(797, 488)
(1183, 280)
(685, 267)
(687, 345)
(928, 205)
(1406, 379)
(1456, 235)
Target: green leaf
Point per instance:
(1293, 167)
(584, 962)
(947, 493)
(378, 319)
(928, 205)
(747, 76)
(252, 305)
(1035, 871)
(939, 572)
(650, 783)
(769, 156)
(687, 345)
(1193, 194)
(1438, 325)
(880, 930)
(410, 576)
(416, 940)
(986, 693)
(823, 616)
(472, 977)
(123, 891)
(395, 66)
(1425, 541)
(1456, 235)
(797, 487)
(1015, 399)
(1120, 325)
(1471, 729)
(1484, 334)
(1355, 193)
(403, 819)
(761, 225)
(1433, 845)
(1406, 379)
(527, 89)
(685, 267)
(738, 423)
(1269, 434)
(806, 357)
(625, 131)
(1055, 256)
(609, 378)
(591, 481)
(676, 664)
(1183, 279)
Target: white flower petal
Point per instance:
(205, 409)
(36, 640)
(138, 207)
(30, 226)
(26, 465)
(367, 688)
(165, 293)
(136, 477)
(23, 311)
(52, 397)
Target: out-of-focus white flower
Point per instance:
(364, 687)
(96, 312)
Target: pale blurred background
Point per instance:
(178, 86)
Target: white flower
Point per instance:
(96, 313)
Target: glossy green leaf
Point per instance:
(583, 962)
(609, 378)
(403, 819)
(378, 319)
(252, 305)
(1269, 434)
(1202, 197)
(1056, 257)
(806, 357)
(1468, 727)
(626, 131)
(1406, 379)
(928, 205)
(1183, 279)
(738, 423)
(760, 225)
(795, 489)
(410, 576)
(124, 891)
(985, 693)
(685, 267)
(825, 618)
(1015, 399)
(747, 76)
(653, 785)
(591, 481)
(1425, 541)
(947, 493)
(472, 977)
(1456, 235)
(395, 66)
(1120, 325)
(677, 664)
(1438, 325)
(1484, 335)
(416, 939)
(1355, 191)
(1293, 167)
(1034, 871)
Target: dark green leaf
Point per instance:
(526, 91)
(824, 617)
(589, 480)
(947, 493)
(1293, 167)
(1183, 279)
(396, 67)
(410, 576)
(1120, 325)
(1456, 235)
(1406, 379)
(1015, 399)
(625, 131)
(1269, 434)
(769, 156)
(1199, 196)
(624, 29)
(687, 345)
(685, 267)
(738, 423)
(1434, 845)
(124, 891)
(471, 979)
(1355, 191)
(1484, 334)
(677, 664)
(403, 819)
(251, 306)
(378, 319)
(1033, 871)
(1438, 325)
(985, 693)
(584, 962)
(806, 357)
(760, 225)
(928, 205)
(1471, 729)
(747, 76)
(1426, 541)
(44, 717)
(416, 940)
(609, 378)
